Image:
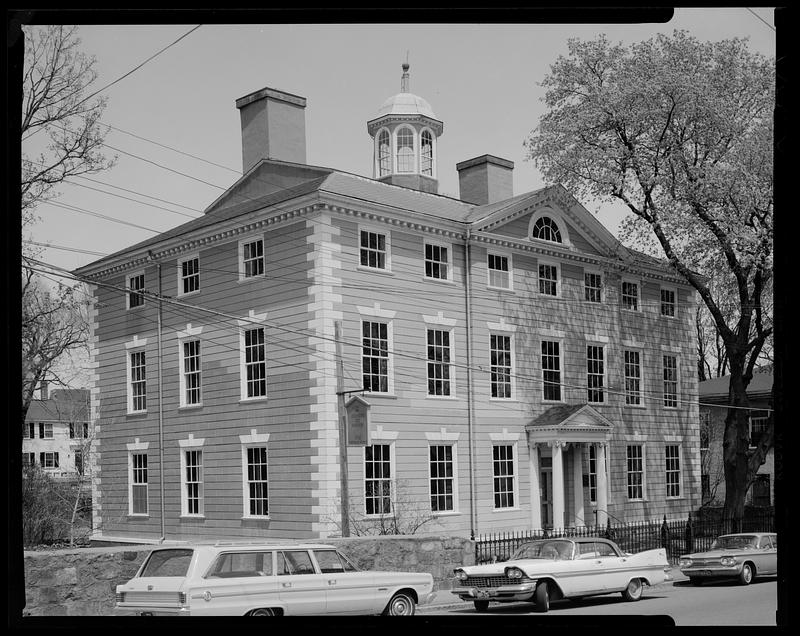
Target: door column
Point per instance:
(558, 485)
(602, 485)
(577, 481)
(536, 500)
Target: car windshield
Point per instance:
(544, 549)
(168, 563)
(735, 542)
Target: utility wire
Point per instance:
(760, 18)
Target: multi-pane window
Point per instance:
(190, 275)
(435, 261)
(135, 289)
(592, 473)
(635, 471)
(673, 467)
(503, 475)
(139, 484)
(439, 365)
(28, 459)
(85, 428)
(45, 430)
(255, 363)
(72, 430)
(442, 478)
(373, 249)
(633, 377)
(193, 482)
(547, 230)
(761, 490)
(630, 295)
(593, 287)
(375, 356)
(548, 280)
(253, 258)
(500, 349)
(48, 459)
(377, 479)
(595, 373)
(670, 381)
(551, 370)
(668, 302)
(191, 372)
(138, 382)
(426, 153)
(758, 426)
(405, 150)
(257, 493)
(499, 272)
(384, 154)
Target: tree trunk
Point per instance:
(734, 448)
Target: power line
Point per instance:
(760, 18)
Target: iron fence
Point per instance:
(677, 536)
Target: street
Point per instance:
(719, 603)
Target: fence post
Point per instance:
(664, 535)
(689, 535)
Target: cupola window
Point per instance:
(405, 150)
(546, 229)
(427, 153)
(384, 153)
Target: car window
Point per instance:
(734, 542)
(604, 550)
(168, 563)
(238, 564)
(294, 562)
(332, 561)
(553, 550)
(774, 541)
(765, 543)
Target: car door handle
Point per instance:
(286, 584)
(598, 562)
(331, 581)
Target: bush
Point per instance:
(46, 508)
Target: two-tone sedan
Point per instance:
(228, 579)
(742, 556)
(546, 570)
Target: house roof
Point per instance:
(65, 405)
(761, 384)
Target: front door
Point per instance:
(546, 485)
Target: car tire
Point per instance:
(747, 573)
(542, 597)
(401, 604)
(634, 590)
(263, 611)
(695, 580)
(481, 606)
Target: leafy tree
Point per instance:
(681, 132)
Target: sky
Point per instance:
(176, 131)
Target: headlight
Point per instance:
(685, 563)
(460, 575)
(514, 573)
(727, 561)
(120, 597)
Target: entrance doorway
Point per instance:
(546, 498)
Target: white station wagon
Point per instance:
(266, 580)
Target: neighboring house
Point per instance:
(522, 368)
(56, 431)
(713, 398)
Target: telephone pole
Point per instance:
(342, 418)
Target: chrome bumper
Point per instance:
(144, 610)
(521, 592)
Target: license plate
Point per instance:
(705, 572)
(483, 594)
(146, 614)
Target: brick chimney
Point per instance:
(485, 179)
(273, 126)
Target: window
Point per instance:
(500, 348)
(255, 363)
(79, 461)
(135, 289)
(439, 367)
(189, 275)
(139, 484)
(548, 279)
(252, 258)
(499, 271)
(630, 295)
(377, 479)
(257, 483)
(138, 385)
(593, 473)
(442, 478)
(635, 471)
(595, 373)
(331, 561)
(503, 475)
(85, 430)
(593, 287)
(384, 154)
(373, 249)
(45, 430)
(673, 467)
(292, 562)
(668, 302)
(72, 430)
(551, 370)
(375, 356)
(239, 564)
(761, 491)
(28, 459)
(405, 150)
(547, 230)
(670, 381)
(29, 430)
(426, 155)
(48, 459)
(192, 482)
(758, 426)
(435, 261)
(633, 378)
(190, 375)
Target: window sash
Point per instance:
(633, 378)
(435, 261)
(193, 482)
(375, 356)
(138, 381)
(595, 374)
(190, 275)
(499, 271)
(442, 478)
(257, 481)
(635, 472)
(551, 370)
(255, 362)
(45, 430)
(48, 459)
(135, 286)
(548, 280)
(426, 154)
(630, 296)
(253, 258)
(592, 474)
(377, 479)
(671, 381)
(546, 229)
(593, 285)
(439, 362)
(503, 475)
(668, 303)
(673, 470)
(373, 249)
(500, 351)
(191, 372)
(384, 154)
(139, 483)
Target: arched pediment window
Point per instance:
(426, 153)
(405, 150)
(546, 229)
(384, 154)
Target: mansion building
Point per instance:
(519, 367)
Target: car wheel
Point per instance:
(263, 611)
(634, 590)
(401, 604)
(695, 580)
(746, 575)
(542, 597)
(481, 606)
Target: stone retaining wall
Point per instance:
(82, 582)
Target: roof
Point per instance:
(64, 405)
(556, 415)
(761, 384)
(406, 104)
